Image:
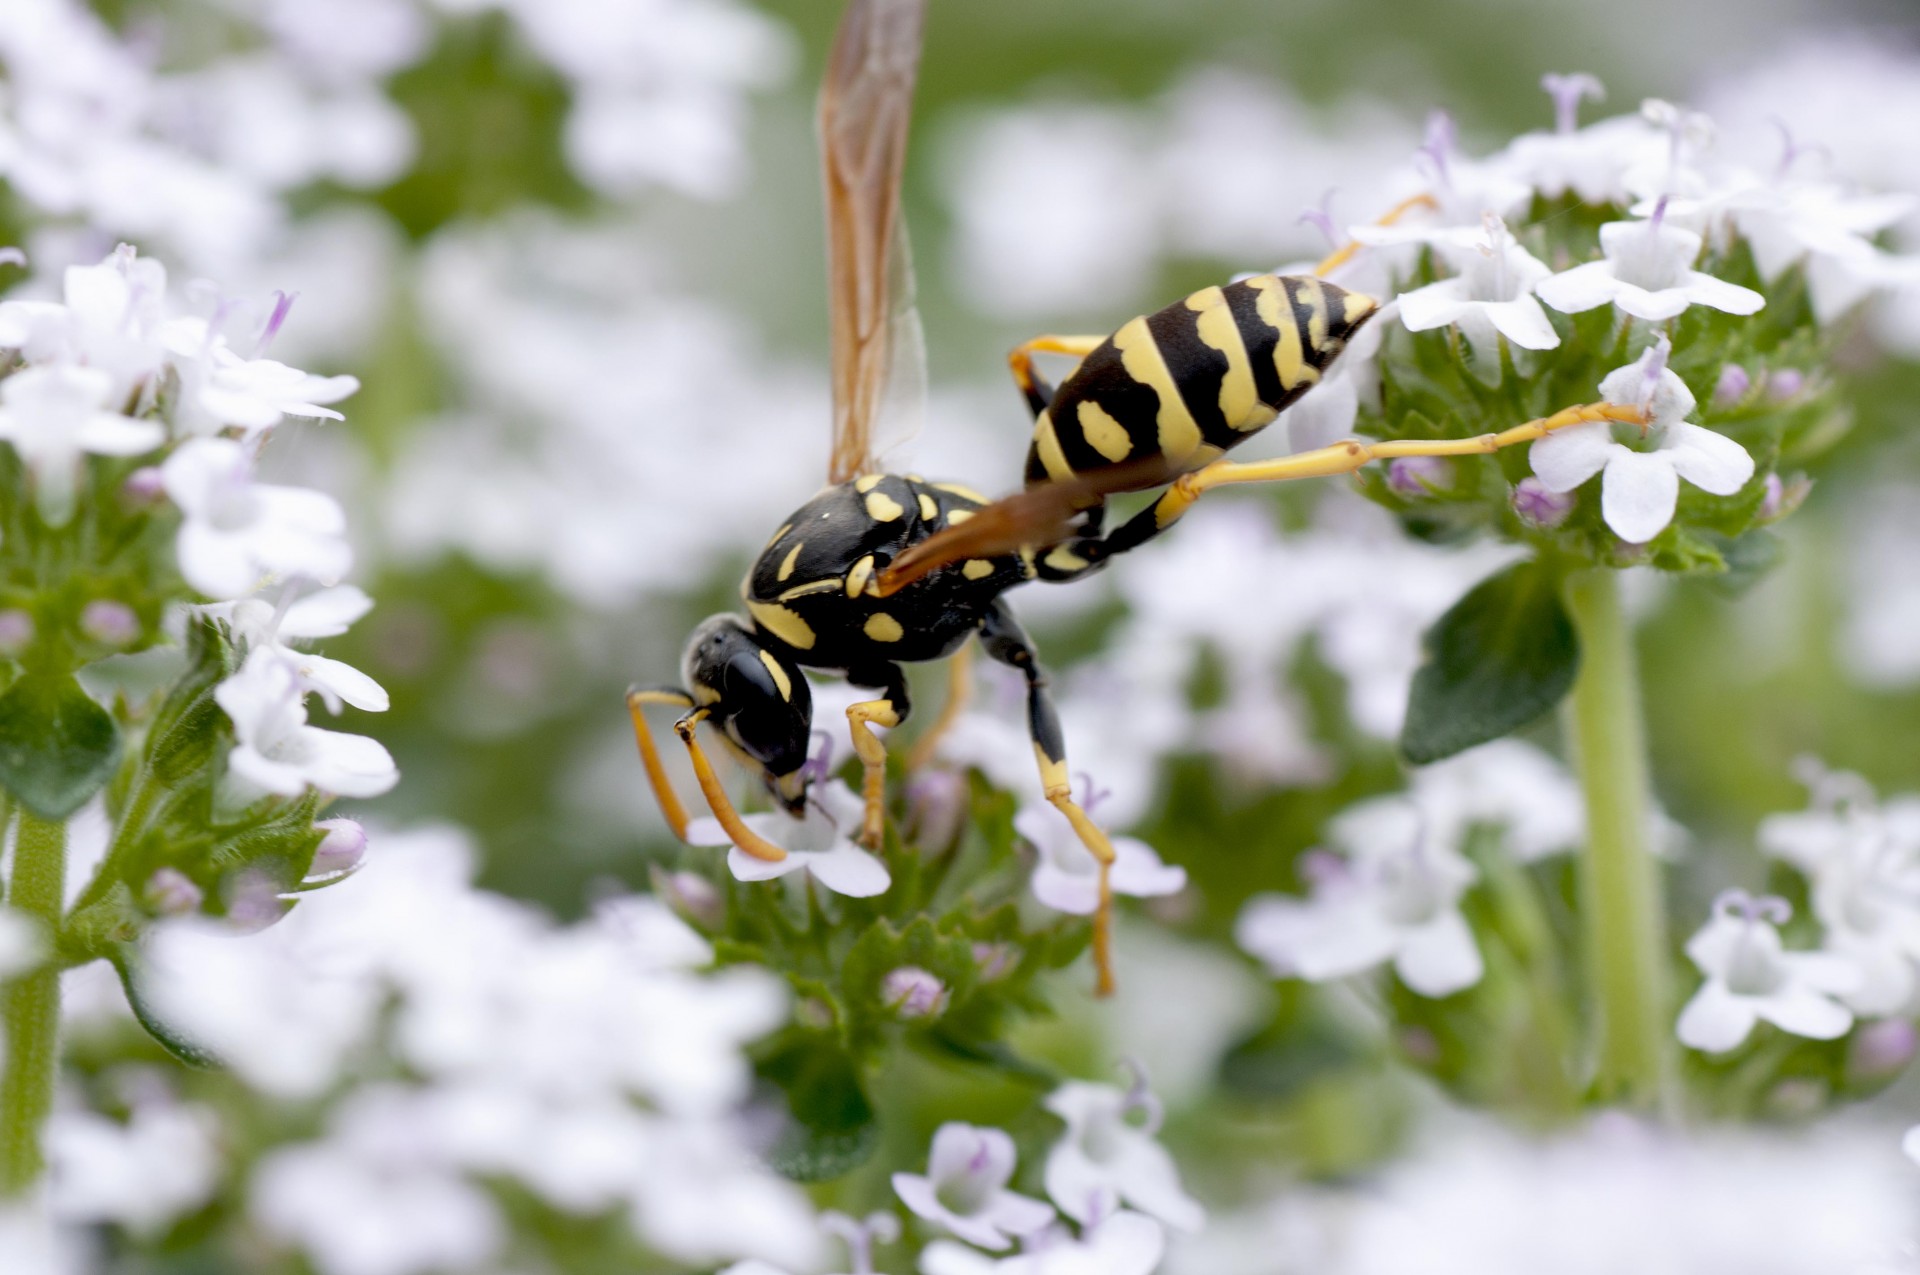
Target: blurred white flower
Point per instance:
(1109, 1155)
(1113, 1243)
(1640, 489)
(163, 1162)
(1648, 273)
(965, 1187)
(238, 534)
(820, 844)
(1067, 878)
(1508, 784)
(1489, 297)
(219, 389)
(1749, 977)
(1593, 162)
(276, 751)
(55, 415)
(1395, 897)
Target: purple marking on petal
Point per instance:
(1748, 907)
(1659, 215)
(1321, 218)
(282, 302)
(1566, 92)
(1439, 145)
(1791, 151)
(1654, 361)
(1091, 793)
(222, 309)
(1538, 507)
(815, 766)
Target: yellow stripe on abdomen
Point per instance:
(1140, 356)
(1276, 311)
(1239, 398)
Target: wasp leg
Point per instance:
(1344, 253)
(889, 710)
(1005, 641)
(1323, 462)
(717, 800)
(1038, 393)
(959, 690)
(663, 793)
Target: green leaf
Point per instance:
(126, 962)
(57, 747)
(831, 1128)
(1503, 655)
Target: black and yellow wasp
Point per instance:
(882, 569)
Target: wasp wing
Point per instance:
(1037, 518)
(864, 111)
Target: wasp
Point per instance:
(881, 569)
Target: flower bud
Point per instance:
(913, 994)
(16, 631)
(1782, 497)
(691, 896)
(171, 892)
(341, 849)
(994, 960)
(109, 623)
(144, 486)
(1785, 384)
(1882, 1050)
(1418, 477)
(1538, 507)
(1732, 385)
(936, 805)
(254, 903)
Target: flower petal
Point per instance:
(1440, 958)
(1712, 462)
(1715, 1020)
(1638, 494)
(1805, 1012)
(1655, 307)
(1139, 872)
(849, 870)
(1568, 457)
(1704, 289)
(1581, 288)
(747, 867)
(1523, 322)
(1433, 306)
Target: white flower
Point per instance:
(820, 844)
(164, 1161)
(1648, 273)
(1592, 162)
(964, 1188)
(220, 389)
(1106, 1155)
(260, 625)
(1509, 784)
(237, 534)
(1490, 296)
(1397, 899)
(1067, 878)
(1640, 489)
(1749, 977)
(107, 320)
(1118, 1243)
(55, 415)
(277, 752)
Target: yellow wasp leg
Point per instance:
(1038, 393)
(1060, 793)
(1345, 457)
(873, 761)
(663, 793)
(717, 800)
(959, 689)
(1344, 253)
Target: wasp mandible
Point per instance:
(881, 569)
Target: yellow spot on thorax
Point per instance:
(780, 678)
(1140, 356)
(867, 482)
(786, 564)
(882, 627)
(1106, 435)
(957, 516)
(858, 577)
(882, 507)
(1239, 399)
(783, 623)
(928, 510)
(977, 569)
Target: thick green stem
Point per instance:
(31, 1008)
(1622, 909)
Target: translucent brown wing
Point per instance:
(1036, 518)
(864, 110)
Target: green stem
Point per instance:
(31, 1007)
(1625, 920)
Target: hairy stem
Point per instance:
(31, 1007)
(1625, 922)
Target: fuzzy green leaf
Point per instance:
(1503, 655)
(831, 1127)
(57, 747)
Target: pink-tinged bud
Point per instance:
(170, 892)
(16, 631)
(1882, 1050)
(1419, 476)
(1785, 383)
(341, 849)
(254, 903)
(936, 807)
(1797, 1098)
(692, 897)
(1538, 507)
(1732, 385)
(1775, 498)
(1420, 1046)
(994, 960)
(913, 994)
(144, 486)
(109, 623)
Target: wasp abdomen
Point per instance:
(1191, 381)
